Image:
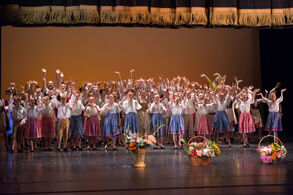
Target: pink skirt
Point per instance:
(246, 124)
(92, 126)
(31, 128)
(204, 125)
(40, 128)
(48, 129)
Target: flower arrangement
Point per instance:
(133, 142)
(205, 149)
(272, 153)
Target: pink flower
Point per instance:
(149, 142)
(132, 140)
(138, 140)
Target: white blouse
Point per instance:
(177, 109)
(273, 106)
(32, 112)
(204, 109)
(77, 108)
(157, 108)
(190, 109)
(114, 108)
(222, 105)
(244, 106)
(131, 106)
(92, 111)
(47, 110)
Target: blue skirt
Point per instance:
(221, 123)
(111, 125)
(274, 122)
(176, 126)
(76, 129)
(131, 122)
(157, 121)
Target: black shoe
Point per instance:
(95, 149)
(65, 150)
(12, 151)
(19, 150)
(50, 149)
(58, 150)
(80, 149)
(162, 147)
(247, 145)
(88, 148)
(73, 149)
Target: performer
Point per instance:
(176, 127)
(274, 123)
(187, 115)
(157, 109)
(32, 124)
(47, 123)
(111, 128)
(19, 116)
(76, 127)
(130, 107)
(143, 114)
(221, 122)
(204, 123)
(63, 116)
(246, 125)
(92, 123)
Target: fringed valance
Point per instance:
(164, 13)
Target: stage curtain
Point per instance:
(158, 13)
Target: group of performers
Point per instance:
(101, 112)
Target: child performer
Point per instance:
(32, 124)
(157, 109)
(204, 123)
(274, 120)
(187, 115)
(176, 127)
(130, 107)
(47, 123)
(63, 115)
(221, 121)
(76, 128)
(92, 123)
(111, 128)
(19, 116)
(246, 124)
(143, 115)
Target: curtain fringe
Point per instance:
(223, 18)
(191, 18)
(246, 19)
(162, 19)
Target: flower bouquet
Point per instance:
(272, 153)
(200, 153)
(138, 145)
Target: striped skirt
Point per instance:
(111, 125)
(92, 126)
(31, 128)
(156, 122)
(48, 127)
(221, 123)
(131, 122)
(246, 124)
(204, 125)
(76, 128)
(176, 126)
(274, 122)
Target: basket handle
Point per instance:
(269, 136)
(194, 137)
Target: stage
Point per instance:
(237, 170)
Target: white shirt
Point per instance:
(244, 106)
(157, 108)
(114, 108)
(222, 105)
(47, 110)
(273, 106)
(32, 112)
(19, 113)
(63, 109)
(132, 106)
(102, 103)
(190, 109)
(177, 109)
(204, 109)
(92, 111)
(77, 108)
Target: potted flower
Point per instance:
(271, 153)
(138, 145)
(200, 153)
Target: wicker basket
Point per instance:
(195, 160)
(139, 157)
(281, 144)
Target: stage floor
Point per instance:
(237, 170)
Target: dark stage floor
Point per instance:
(237, 171)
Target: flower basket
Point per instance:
(200, 153)
(272, 153)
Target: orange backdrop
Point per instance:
(94, 53)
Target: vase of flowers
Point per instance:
(272, 153)
(138, 145)
(200, 153)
